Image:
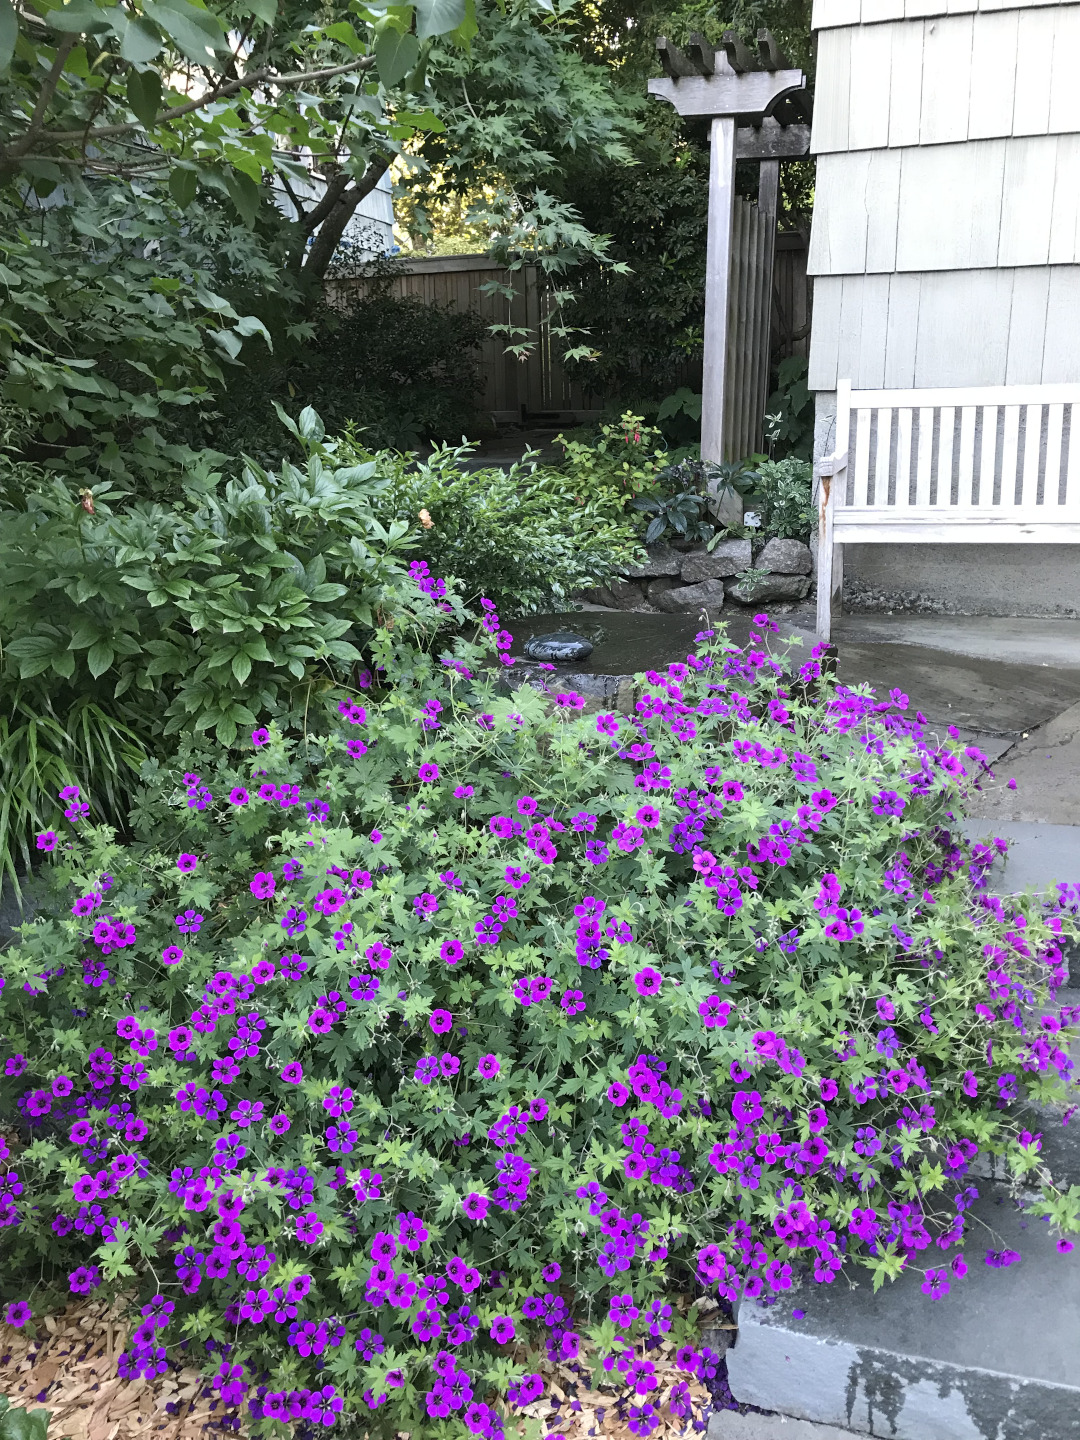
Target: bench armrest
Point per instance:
(831, 464)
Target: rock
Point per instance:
(628, 594)
(562, 646)
(785, 557)
(770, 587)
(709, 595)
(619, 595)
(663, 560)
(656, 588)
(730, 557)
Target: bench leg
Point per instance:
(825, 557)
(830, 575)
(836, 599)
(824, 590)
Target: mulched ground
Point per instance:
(70, 1370)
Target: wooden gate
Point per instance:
(746, 374)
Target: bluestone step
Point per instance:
(998, 1358)
(730, 1425)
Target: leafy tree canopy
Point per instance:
(229, 96)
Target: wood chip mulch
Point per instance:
(69, 1369)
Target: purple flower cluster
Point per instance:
(334, 1178)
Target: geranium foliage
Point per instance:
(386, 1062)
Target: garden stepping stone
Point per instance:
(562, 646)
(731, 1425)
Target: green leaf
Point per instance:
(468, 27)
(396, 55)
(311, 426)
(252, 325)
(196, 33)
(144, 96)
(421, 120)
(99, 657)
(9, 32)
(345, 33)
(19, 1424)
(241, 667)
(264, 10)
(79, 18)
(438, 17)
(244, 194)
(183, 185)
(229, 341)
(140, 43)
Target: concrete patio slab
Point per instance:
(980, 695)
(1045, 764)
(1039, 855)
(1021, 640)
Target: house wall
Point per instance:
(945, 246)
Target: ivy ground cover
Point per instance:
(387, 1060)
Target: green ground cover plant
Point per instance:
(126, 621)
(385, 1061)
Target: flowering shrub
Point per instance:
(384, 1064)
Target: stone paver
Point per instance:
(996, 1359)
(730, 1425)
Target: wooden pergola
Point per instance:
(758, 109)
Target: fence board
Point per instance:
(765, 329)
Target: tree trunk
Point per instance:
(333, 226)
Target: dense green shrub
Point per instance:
(400, 371)
(122, 626)
(783, 496)
(484, 1022)
(529, 537)
(789, 413)
(116, 331)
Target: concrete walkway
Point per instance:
(1010, 685)
(1045, 763)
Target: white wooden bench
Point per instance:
(995, 465)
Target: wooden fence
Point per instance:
(537, 388)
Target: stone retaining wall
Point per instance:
(679, 578)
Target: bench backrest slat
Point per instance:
(1071, 495)
(990, 450)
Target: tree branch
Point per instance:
(335, 188)
(49, 84)
(333, 227)
(20, 147)
(291, 193)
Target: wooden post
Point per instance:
(717, 282)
